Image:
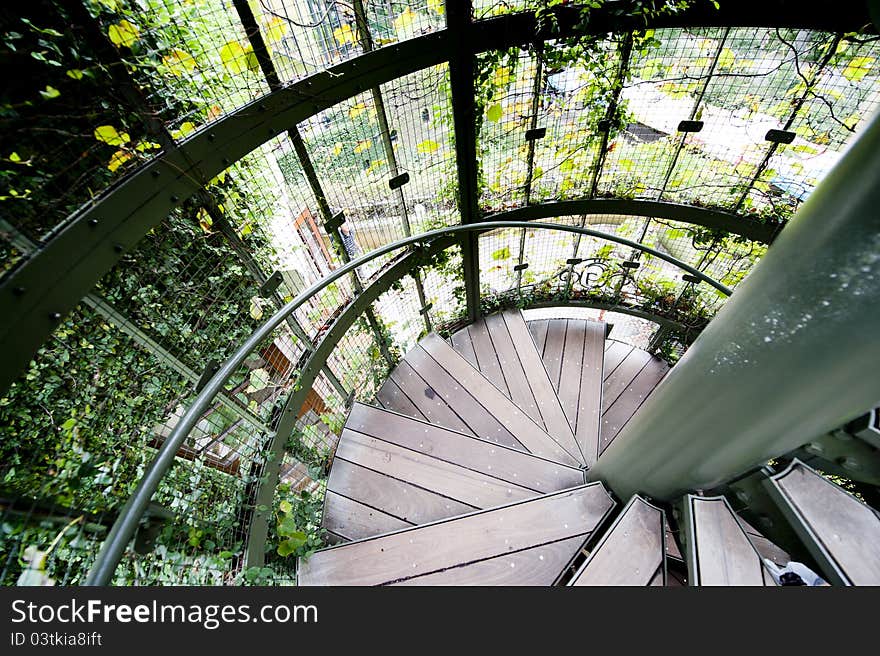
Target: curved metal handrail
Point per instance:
(123, 529)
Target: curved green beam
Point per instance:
(708, 218)
(127, 522)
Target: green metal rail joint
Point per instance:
(433, 241)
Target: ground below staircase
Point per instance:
(471, 469)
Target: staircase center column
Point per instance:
(793, 354)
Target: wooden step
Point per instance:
(718, 550)
(488, 413)
(501, 546)
(631, 552)
(573, 352)
(841, 533)
(501, 347)
(402, 472)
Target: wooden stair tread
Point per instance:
(348, 519)
(631, 552)
(526, 381)
(468, 539)
(628, 402)
(501, 462)
(536, 566)
(718, 550)
(477, 400)
(841, 533)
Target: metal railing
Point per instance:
(125, 526)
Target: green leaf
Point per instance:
(110, 136)
(726, 59)
(494, 113)
(15, 157)
(291, 544)
(75, 74)
(123, 34)
(287, 527)
(501, 254)
(285, 506)
(259, 379)
(67, 425)
(427, 146)
(50, 92)
(858, 68)
(275, 28)
(237, 58)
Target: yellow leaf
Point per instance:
(237, 58)
(179, 62)
(375, 165)
(357, 110)
(858, 68)
(337, 148)
(109, 135)
(205, 221)
(75, 74)
(405, 20)
(15, 157)
(494, 113)
(437, 6)
(427, 146)
(220, 178)
(123, 34)
(184, 130)
(246, 229)
(502, 76)
(344, 34)
(147, 145)
(363, 145)
(276, 28)
(119, 158)
(256, 310)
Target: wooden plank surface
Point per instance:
(623, 376)
(431, 405)
(542, 388)
(572, 364)
(392, 397)
(351, 520)
(554, 345)
(846, 530)
(398, 498)
(461, 342)
(538, 329)
(495, 404)
(536, 566)
(631, 552)
(614, 355)
(630, 400)
(487, 358)
(468, 451)
(590, 397)
(444, 478)
(719, 551)
(448, 543)
(460, 401)
(518, 385)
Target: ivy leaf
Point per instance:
(238, 59)
(259, 379)
(337, 148)
(285, 506)
(357, 110)
(276, 28)
(501, 254)
(15, 157)
(437, 6)
(344, 34)
(363, 145)
(726, 59)
(427, 146)
(123, 34)
(183, 130)
(287, 527)
(179, 62)
(502, 76)
(858, 68)
(50, 92)
(494, 113)
(111, 136)
(118, 158)
(75, 74)
(256, 309)
(291, 544)
(405, 20)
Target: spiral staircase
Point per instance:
(473, 468)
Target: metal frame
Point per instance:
(49, 284)
(125, 526)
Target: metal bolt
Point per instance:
(118, 248)
(55, 316)
(18, 291)
(93, 222)
(212, 136)
(155, 173)
(175, 198)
